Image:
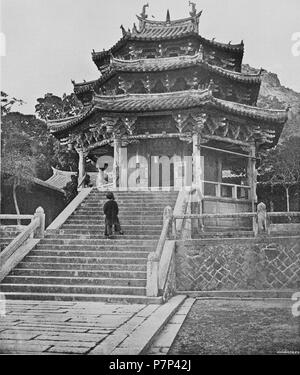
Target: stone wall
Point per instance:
(232, 264)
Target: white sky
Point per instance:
(49, 42)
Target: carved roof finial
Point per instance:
(143, 14)
(168, 18)
(193, 12)
(123, 30)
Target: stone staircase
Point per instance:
(8, 233)
(76, 262)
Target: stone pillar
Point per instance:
(81, 164)
(123, 161)
(252, 175)
(116, 165)
(197, 165)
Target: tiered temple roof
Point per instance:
(165, 30)
(146, 103)
(164, 64)
(198, 99)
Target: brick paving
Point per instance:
(45, 327)
(59, 327)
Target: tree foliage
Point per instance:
(7, 102)
(28, 149)
(19, 154)
(281, 166)
(52, 107)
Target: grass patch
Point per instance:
(238, 327)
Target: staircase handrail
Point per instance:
(36, 229)
(81, 181)
(15, 217)
(154, 257)
(71, 207)
(180, 209)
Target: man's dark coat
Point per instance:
(111, 211)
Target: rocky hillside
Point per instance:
(274, 95)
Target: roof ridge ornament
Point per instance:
(193, 11)
(143, 14)
(124, 32)
(134, 29)
(168, 18)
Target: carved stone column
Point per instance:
(116, 165)
(81, 164)
(123, 161)
(252, 174)
(197, 165)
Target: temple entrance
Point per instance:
(162, 174)
(160, 164)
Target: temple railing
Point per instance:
(224, 190)
(154, 258)
(161, 263)
(262, 223)
(283, 222)
(20, 246)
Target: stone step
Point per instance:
(100, 236)
(82, 281)
(130, 208)
(137, 192)
(85, 260)
(129, 204)
(134, 197)
(78, 273)
(77, 262)
(99, 231)
(124, 200)
(111, 298)
(93, 221)
(131, 211)
(77, 289)
(120, 241)
(90, 253)
(98, 248)
(81, 228)
(137, 218)
(109, 267)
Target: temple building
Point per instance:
(172, 109)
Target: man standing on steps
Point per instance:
(111, 211)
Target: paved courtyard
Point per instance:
(30, 327)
